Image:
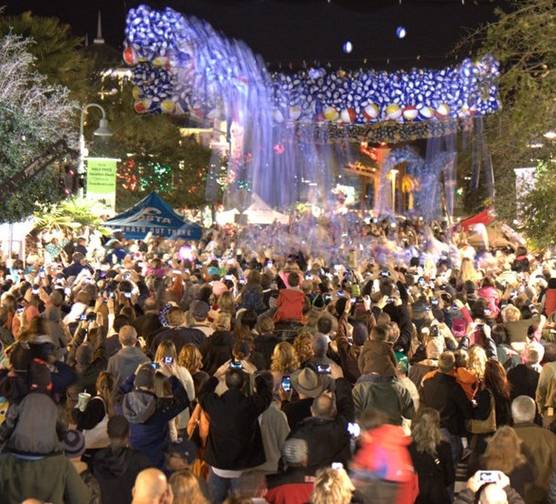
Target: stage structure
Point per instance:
(289, 134)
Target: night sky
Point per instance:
(293, 31)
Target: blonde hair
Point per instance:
(303, 345)
(511, 313)
(503, 452)
(226, 302)
(284, 358)
(186, 488)
(425, 430)
(223, 322)
(190, 358)
(166, 348)
(332, 485)
(477, 361)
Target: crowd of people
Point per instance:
(410, 368)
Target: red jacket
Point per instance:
(291, 487)
(289, 305)
(384, 455)
(550, 302)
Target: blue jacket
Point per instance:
(148, 416)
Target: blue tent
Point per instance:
(153, 215)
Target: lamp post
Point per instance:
(103, 130)
(393, 173)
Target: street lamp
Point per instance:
(103, 130)
(393, 173)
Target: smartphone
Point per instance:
(83, 316)
(155, 365)
(354, 430)
(67, 291)
(421, 281)
(323, 369)
(127, 295)
(384, 274)
(337, 466)
(235, 364)
(434, 302)
(489, 476)
(168, 360)
(35, 291)
(286, 383)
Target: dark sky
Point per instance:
(285, 31)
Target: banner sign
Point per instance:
(101, 180)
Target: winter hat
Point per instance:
(185, 449)
(145, 377)
(39, 376)
(199, 310)
(73, 443)
(307, 382)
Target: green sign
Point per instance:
(101, 177)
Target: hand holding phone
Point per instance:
(286, 383)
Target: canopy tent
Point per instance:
(260, 213)
(151, 215)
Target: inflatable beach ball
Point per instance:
(129, 56)
(426, 112)
(442, 110)
(330, 114)
(371, 111)
(348, 116)
(168, 106)
(295, 112)
(393, 111)
(410, 113)
(142, 106)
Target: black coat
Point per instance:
(234, 440)
(444, 395)
(523, 381)
(436, 474)
(179, 336)
(328, 440)
(217, 350)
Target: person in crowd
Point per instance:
(382, 470)
(125, 361)
(217, 349)
(92, 419)
(332, 485)
(381, 391)
(148, 323)
(326, 431)
(420, 369)
(545, 393)
(274, 429)
(504, 453)
(151, 487)
(234, 441)
(186, 488)
(497, 492)
(284, 362)
(291, 301)
(524, 378)
(538, 443)
(199, 311)
(117, 466)
(148, 414)
(294, 484)
(177, 331)
(432, 459)
(308, 385)
(443, 394)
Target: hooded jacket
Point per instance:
(384, 393)
(148, 416)
(31, 427)
(384, 458)
(377, 357)
(116, 470)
